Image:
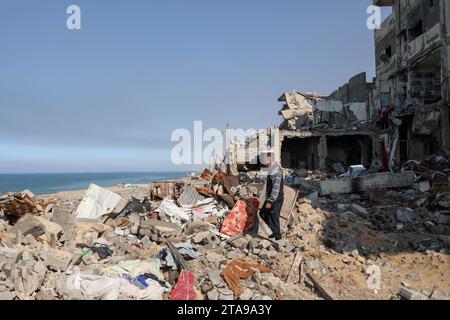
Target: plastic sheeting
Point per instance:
(99, 202)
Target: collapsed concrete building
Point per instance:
(319, 131)
(403, 114)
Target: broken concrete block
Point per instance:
(90, 237)
(225, 294)
(212, 241)
(159, 230)
(57, 260)
(146, 243)
(311, 265)
(6, 296)
(239, 242)
(199, 237)
(263, 244)
(66, 220)
(404, 215)
(384, 180)
(264, 254)
(438, 295)
(247, 295)
(38, 226)
(234, 255)
(256, 251)
(411, 294)
(42, 296)
(196, 226)
(272, 282)
(313, 197)
(215, 278)
(8, 254)
(25, 280)
(206, 287)
(213, 295)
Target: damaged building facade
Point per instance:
(411, 100)
(319, 132)
(403, 115)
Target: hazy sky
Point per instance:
(107, 97)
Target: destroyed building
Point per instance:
(403, 115)
(411, 100)
(319, 131)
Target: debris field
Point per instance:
(201, 238)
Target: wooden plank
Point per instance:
(319, 287)
(290, 198)
(296, 264)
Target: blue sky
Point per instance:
(107, 97)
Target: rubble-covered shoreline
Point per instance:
(200, 238)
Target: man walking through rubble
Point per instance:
(270, 213)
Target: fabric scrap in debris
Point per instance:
(135, 268)
(185, 288)
(138, 281)
(153, 291)
(238, 270)
(103, 252)
(94, 287)
(106, 288)
(242, 218)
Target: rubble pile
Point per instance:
(202, 238)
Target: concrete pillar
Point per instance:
(445, 128)
(322, 150)
(278, 139)
(365, 152)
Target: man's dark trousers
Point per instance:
(272, 217)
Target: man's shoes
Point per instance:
(272, 237)
(277, 238)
